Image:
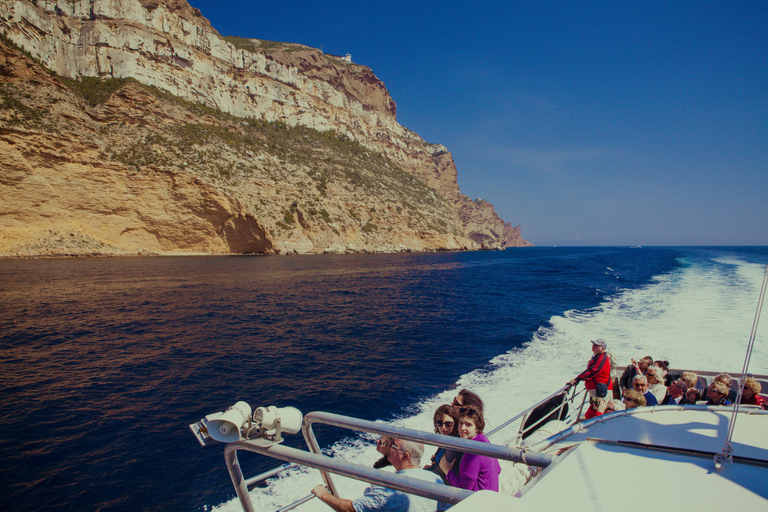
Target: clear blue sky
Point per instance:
(588, 123)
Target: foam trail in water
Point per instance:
(699, 316)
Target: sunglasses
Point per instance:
(446, 424)
(468, 411)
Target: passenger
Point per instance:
(751, 393)
(600, 406)
(656, 383)
(717, 394)
(669, 376)
(664, 365)
(382, 446)
(636, 368)
(727, 379)
(692, 380)
(597, 376)
(676, 394)
(476, 472)
(405, 456)
(693, 395)
(634, 399)
(640, 384)
(466, 398)
(446, 420)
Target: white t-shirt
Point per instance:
(379, 499)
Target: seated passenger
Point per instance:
(382, 446)
(634, 369)
(717, 394)
(676, 394)
(476, 472)
(727, 379)
(692, 380)
(600, 406)
(466, 398)
(751, 393)
(446, 420)
(640, 384)
(405, 456)
(634, 399)
(664, 365)
(656, 383)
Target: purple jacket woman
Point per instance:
(476, 472)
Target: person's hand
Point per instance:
(571, 382)
(320, 490)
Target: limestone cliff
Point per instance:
(292, 150)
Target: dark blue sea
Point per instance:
(105, 362)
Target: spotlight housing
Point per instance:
(266, 426)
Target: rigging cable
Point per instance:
(726, 455)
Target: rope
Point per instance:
(726, 455)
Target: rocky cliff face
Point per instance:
(292, 150)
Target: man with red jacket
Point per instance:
(597, 376)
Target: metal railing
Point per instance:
(572, 395)
(328, 465)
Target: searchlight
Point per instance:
(236, 424)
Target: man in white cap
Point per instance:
(597, 376)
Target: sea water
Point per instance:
(106, 361)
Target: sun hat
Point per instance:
(600, 343)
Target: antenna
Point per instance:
(726, 455)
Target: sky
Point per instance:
(587, 123)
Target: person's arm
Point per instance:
(336, 503)
(602, 406)
(469, 470)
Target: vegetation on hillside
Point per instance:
(289, 173)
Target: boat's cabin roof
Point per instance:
(662, 455)
(702, 429)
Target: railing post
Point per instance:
(311, 440)
(236, 474)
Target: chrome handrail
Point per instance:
(272, 472)
(324, 463)
(464, 445)
(327, 465)
(575, 392)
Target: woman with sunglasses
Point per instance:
(656, 383)
(751, 393)
(446, 419)
(476, 472)
(467, 398)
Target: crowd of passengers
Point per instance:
(643, 383)
(649, 382)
